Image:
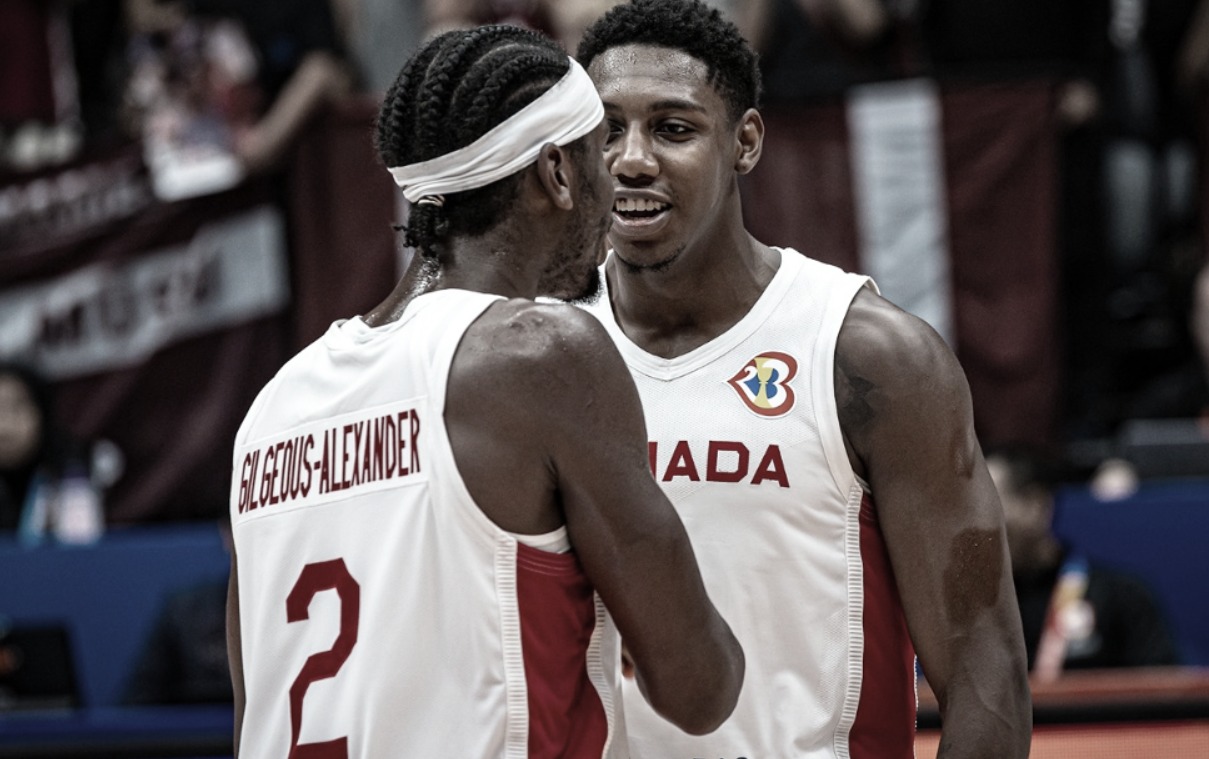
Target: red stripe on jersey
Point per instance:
(558, 616)
(885, 717)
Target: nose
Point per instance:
(631, 159)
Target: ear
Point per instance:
(750, 141)
(554, 174)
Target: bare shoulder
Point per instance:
(552, 353)
(524, 335)
(894, 373)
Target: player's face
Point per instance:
(574, 275)
(670, 150)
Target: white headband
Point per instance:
(564, 113)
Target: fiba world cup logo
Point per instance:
(763, 383)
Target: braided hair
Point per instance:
(692, 27)
(454, 90)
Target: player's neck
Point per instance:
(671, 311)
(481, 264)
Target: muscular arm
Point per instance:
(234, 649)
(906, 414)
(569, 445)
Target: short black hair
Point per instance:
(692, 27)
(454, 90)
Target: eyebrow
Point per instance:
(669, 104)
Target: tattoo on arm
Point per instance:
(852, 397)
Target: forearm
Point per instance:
(982, 733)
(986, 710)
(320, 78)
(717, 675)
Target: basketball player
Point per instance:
(431, 501)
(816, 440)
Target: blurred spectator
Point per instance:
(45, 482)
(99, 35)
(989, 38)
(39, 103)
(1064, 43)
(1200, 324)
(817, 50)
(444, 15)
(573, 17)
(303, 65)
(1193, 63)
(382, 35)
(184, 658)
(251, 73)
(564, 20)
(1150, 181)
(1077, 614)
(812, 54)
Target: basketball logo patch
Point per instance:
(763, 383)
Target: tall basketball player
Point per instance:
(438, 505)
(816, 440)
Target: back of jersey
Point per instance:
(381, 611)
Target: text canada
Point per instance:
(721, 461)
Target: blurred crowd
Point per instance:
(216, 90)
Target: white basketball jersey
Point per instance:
(382, 613)
(746, 442)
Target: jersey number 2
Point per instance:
(315, 578)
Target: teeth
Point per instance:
(625, 205)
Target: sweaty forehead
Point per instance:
(650, 69)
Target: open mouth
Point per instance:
(636, 209)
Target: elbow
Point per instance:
(700, 705)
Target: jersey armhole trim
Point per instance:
(831, 434)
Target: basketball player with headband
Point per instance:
(442, 509)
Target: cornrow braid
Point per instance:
(454, 90)
(689, 26)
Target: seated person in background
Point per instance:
(24, 445)
(184, 659)
(1077, 614)
(45, 484)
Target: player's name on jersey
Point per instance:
(331, 459)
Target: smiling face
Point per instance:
(671, 151)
